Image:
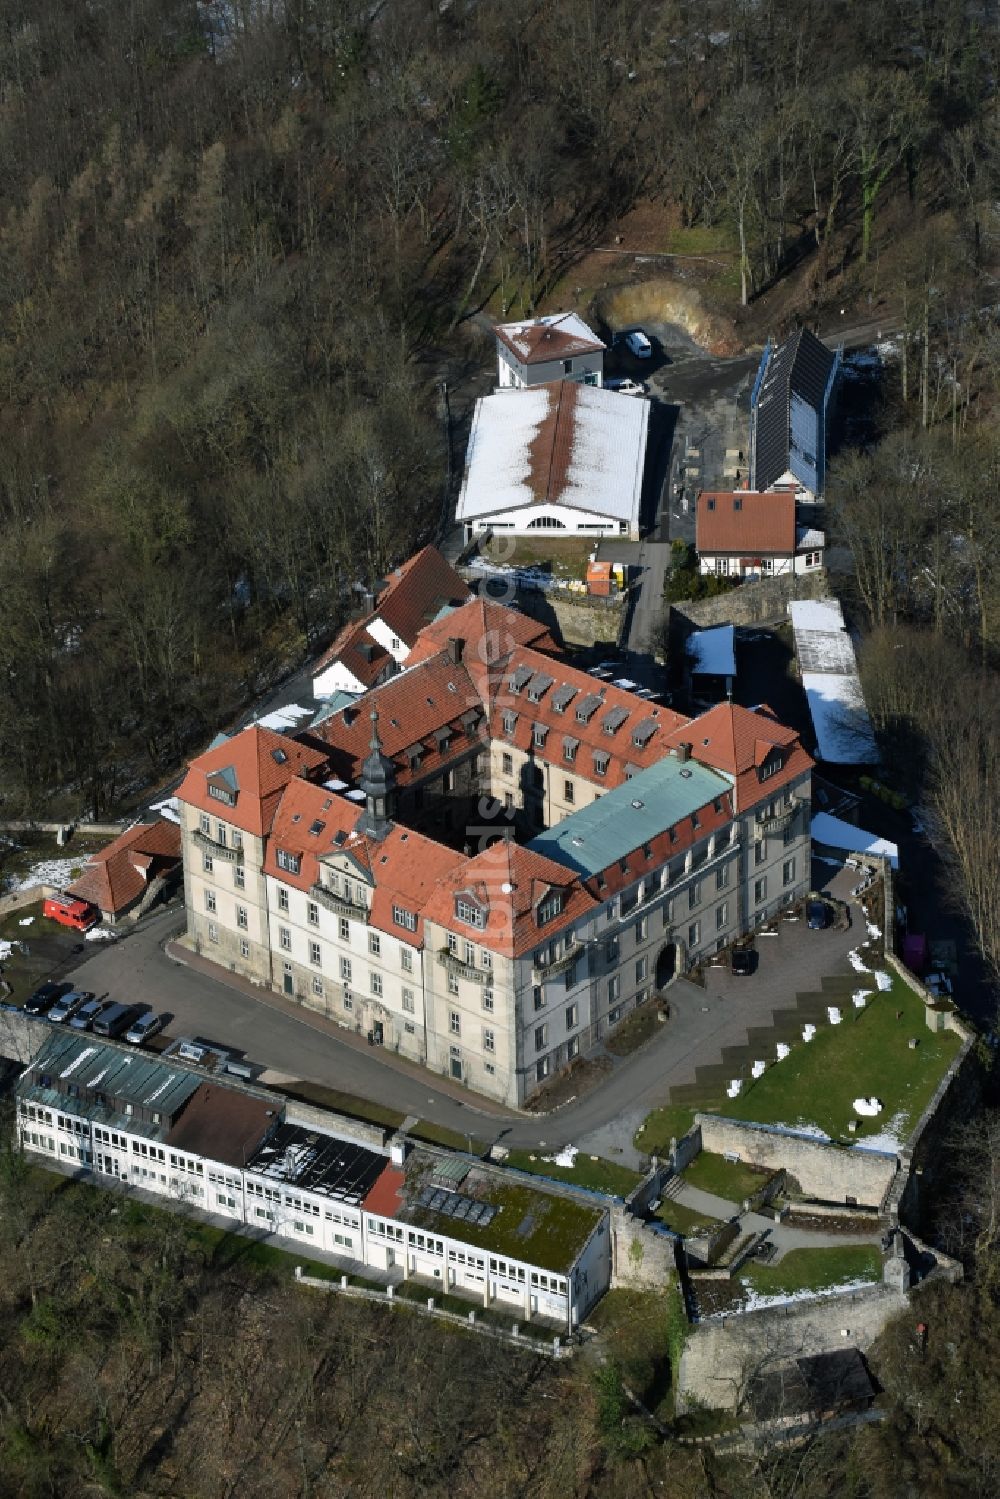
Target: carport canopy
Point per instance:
(833, 832)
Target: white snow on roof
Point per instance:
(834, 832)
(284, 718)
(568, 323)
(808, 539)
(816, 614)
(840, 719)
(713, 652)
(88, 1051)
(603, 475)
(168, 809)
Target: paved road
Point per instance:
(302, 1045)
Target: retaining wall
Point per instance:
(722, 1354)
(641, 1258)
(832, 1173)
(21, 1035)
(579, 621)
(21, 898)
(753, 603)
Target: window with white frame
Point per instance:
(282, 898)
(345, 929)
(374, 943)
(291, 863)
(345, 970)
(489, 1041)
(452, 983)
(242, 917)
(207, 863)
(376, 981)
(284, 938)
(404, 918)
(209, 900)
(788, 872)
(409, 1004)
(760, 889)
(213, 932)
(312, 913)
(471, 915)
(455, 1023)
(315, 954)
(487, 998)
(317, 986)
(244, 948)
(721, 916)
(239, 877)
(406, 959)
(694, 934)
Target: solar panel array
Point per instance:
(454, 1205)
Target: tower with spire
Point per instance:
(378, 782)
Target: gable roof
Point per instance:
(119, 874)
(256, 765)
(745, 522)
(558, 335)
(412, 597)
(800, 366)
(558, 444)
(489, 632)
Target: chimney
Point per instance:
(456, 650)
(682, 752)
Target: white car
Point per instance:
(146, 1026)
(626, 387)
(638, 344)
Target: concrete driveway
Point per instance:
(299, 1044)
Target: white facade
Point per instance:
(726, 565)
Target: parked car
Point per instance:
(742, 961)
(638, 344)
(115, 1020)
(817, 915)
(88, 1013)
(69, 1004)
(626, 387)
(78, 914)
(144, 1028)
(45, 997)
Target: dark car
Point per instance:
(742, 961)
(45, 997)
(817, 915)
(69, 1003)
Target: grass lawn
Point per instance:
(655, 1133)
(565, 558)
(730, 1179)
(814, 1269)
(684, 1220)
(599, 1175)
(866, 1056)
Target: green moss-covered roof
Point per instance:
(531, 1225)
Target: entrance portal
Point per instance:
(666, 965)
(377, 1033)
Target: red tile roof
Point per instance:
(738, 741)
(508, 882)
(386, 1196)
(633, 713)
(119, 874)
(403, 866)
(261, 763)
(746, 522)
(414, 594)
(489, 632)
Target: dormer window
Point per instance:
(291, 863)
(539, 734)
(509, 724)
(221, 793)
(771, 765)
(550, 907)
(601, 758)
(470, 914)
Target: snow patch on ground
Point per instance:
(26, 921)
(100, 934)
(812, 1130)
(889, 1139)
(7, 949)
(883, 979)
(49, 872)
(874, 930)
(754, 1301)
(565, 1157)
(857, 962)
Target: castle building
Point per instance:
(488, 860)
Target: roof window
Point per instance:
(279, 756)
(317, 828)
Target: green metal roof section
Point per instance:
(122, 1077)
(622, 820)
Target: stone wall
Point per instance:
(755, 603)
(21, 1035)
(577, 620)
(641, 1258)
(307, 1114)
(723, 1354)
(21, 898)
(832, 1173)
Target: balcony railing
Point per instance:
(779, 821)
(217, 850)
(460, 967)
(543, 971)
(338, 904)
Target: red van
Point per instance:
(79, 914)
